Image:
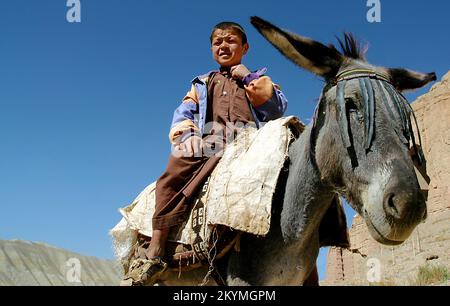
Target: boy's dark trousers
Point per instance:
(178, 186)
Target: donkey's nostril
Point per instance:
(392, 206)
(391, 203)
(404, 206)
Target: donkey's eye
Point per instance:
(351, 105)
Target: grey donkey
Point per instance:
(360, 146)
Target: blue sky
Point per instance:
(85, 108)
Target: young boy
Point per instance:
(230, 96)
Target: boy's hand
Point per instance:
(191, 147)
(239, 71)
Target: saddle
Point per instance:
(210, 243)
(183, 258)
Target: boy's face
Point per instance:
(227, 47)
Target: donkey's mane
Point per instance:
(351, 47)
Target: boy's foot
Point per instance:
(144, 272)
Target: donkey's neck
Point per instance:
(288, 253)
(306, 198)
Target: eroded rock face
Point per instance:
(430, 242)
(34, 264)
(433, 114)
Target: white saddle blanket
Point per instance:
(238, 193)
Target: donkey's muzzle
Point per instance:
(403, 201)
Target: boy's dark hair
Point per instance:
(230, 25)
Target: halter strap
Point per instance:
(360, 73)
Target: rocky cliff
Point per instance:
(33, 264)
(430, 242)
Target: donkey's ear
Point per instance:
(404, 79)
(306, 53)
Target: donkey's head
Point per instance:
(362, 131)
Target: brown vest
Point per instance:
(227, 101)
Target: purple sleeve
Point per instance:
(253, 76)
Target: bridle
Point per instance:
(398, 108)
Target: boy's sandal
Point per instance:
(144, 272)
